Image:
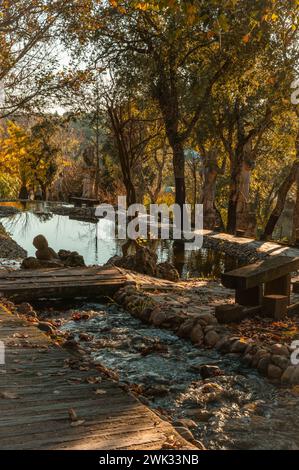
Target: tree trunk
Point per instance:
(238, 210)
(207, 198)
(232, 201)
(281, 199)
(23, 194)
(130, 189)
(242, 207)
(295, 231)
(179, 174)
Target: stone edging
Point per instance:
(203, 330)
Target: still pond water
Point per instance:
(90, 241)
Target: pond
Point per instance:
(90, 240)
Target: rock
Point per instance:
(9, 249)
(258, 356)
(167, 271)
(157, 390)
(288, 375)
(26, 309)
(51, 263)
(280, 361)
(74, 260)
(208, 318)
(143, 261)
(197, 335)
(247, 360)
(264, 363)
(199, 444)
(157, 317)
(185, 433)
(63, 254)
(211, 388)
(6, 211)
(185, 423)
(295, 376)
(274, 372)
(207, 371)
(238, 346)
(186, 327)
(200, 415)
(221, 343)
(229, 313)
(46, 327)
(44, 252)
(40, 242)
(211, 338)
(30, 263)
(280, 349)
(144, 314)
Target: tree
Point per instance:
(30, 155)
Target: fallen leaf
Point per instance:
(9, 395)
(73, 415)
(78, 423)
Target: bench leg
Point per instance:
(280, 286)
(249, 297)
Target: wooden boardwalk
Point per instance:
(52, 400)
(60, 283)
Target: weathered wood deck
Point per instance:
(39, 386)
(60, 283)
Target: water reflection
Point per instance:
(95, 242)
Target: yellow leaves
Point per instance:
(142, 6)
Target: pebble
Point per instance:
(207, 371)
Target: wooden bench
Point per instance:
(89, 202)
(269, 277)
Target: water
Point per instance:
(60, 231)
(92, 242)
(237, 410)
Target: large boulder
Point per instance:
(44, 252)
(144, 261)
(167, 271)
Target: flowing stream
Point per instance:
(238, 409)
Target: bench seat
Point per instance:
(259, 273)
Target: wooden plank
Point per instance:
(58, 272)
(65, 283)
(260, 272)
(39, 419)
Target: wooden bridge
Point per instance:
(26, 285)
(52, 400)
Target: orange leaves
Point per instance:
(246, 38)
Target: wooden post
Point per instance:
(275, 306)
(279, 286)
(249, 297)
